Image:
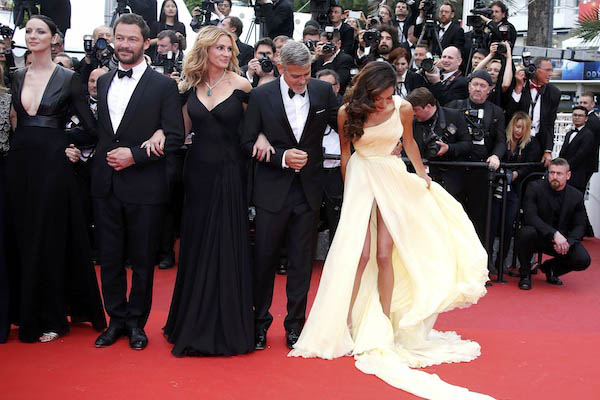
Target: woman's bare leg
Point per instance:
(362, 263)
(385, 278)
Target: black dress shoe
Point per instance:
(109, 336)
(138, 339)
(260, 341)
(167, 262)
(546, 268)
(525, 283)
(291, 337)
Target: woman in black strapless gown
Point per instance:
(55, 277)
(211, 311)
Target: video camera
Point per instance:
(101, 51)
(208, 6)
(479, 9)
(429, 9)
(168, 62)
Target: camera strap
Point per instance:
(534, 102)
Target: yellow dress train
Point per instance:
(439, 264)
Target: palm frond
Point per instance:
(588, 27)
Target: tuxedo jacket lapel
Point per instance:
(137, 95)
(312, 99)
(103, 112)
(279, 109)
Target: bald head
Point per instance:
(93, 81)
(451, 59)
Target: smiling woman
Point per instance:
(56, 277)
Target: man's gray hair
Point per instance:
(294, 53)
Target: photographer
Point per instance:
(536, 97)
(447, 83)
(168, 20)
(508, 32)
(235, 26)
(449, 32)
(441, 134)
(407, 80)
(419, 54)
(168, 55)
(345, 31)
(279, 17)
(384, 39)
(98, 53)
(7, 60)
(498, 65)
(486, 126)
(404, 18)
(261, 69)
(330, 56)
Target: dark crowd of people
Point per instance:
(111, 157)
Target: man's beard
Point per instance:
(130, 58)
(384, 49)
(554, 184)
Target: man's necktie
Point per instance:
(121, 73)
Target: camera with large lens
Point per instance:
(373, 20)
(372, 37)
(430, 139)
(427, 64)
(266, 64)
(474, 19)
(168, 62)
(474, 118)
(101, 51)
(529, 67)
(6, 31)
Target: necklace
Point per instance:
(211, 87)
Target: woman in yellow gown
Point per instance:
(404, 251)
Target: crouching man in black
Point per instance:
(442, 135)
(554, 223)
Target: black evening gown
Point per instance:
(55, 278)
(211, 311)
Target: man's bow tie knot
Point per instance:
(534, 86)
(122, 73)
(292, 94)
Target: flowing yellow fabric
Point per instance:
(439, 264)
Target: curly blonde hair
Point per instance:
(195, 63)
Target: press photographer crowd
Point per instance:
(108, 158)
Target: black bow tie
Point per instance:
(291, 93)
(122, 73)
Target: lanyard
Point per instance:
(534, 103)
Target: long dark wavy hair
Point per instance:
(375, 78)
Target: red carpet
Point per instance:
(541, 344)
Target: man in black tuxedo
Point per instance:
(130, 188)
(449, 32)
(539, 99)
(334, 59)
(279, 17)
(554, 223)
(448, 83)
(292, 112)
(345, 31)
(235, 26)
(404, 18)
(578, 149)
(593, 124)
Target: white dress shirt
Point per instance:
(120, 92)
(296, 110)
(331, 143)
(443, 29)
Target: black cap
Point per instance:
(481, 74)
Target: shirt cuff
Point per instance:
(419, 20)
(283, 164)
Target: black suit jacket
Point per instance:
(537, 211)
(342, 64)
(550, 99)
(154, 104)
(593, 124)
(266, 114)
(279, 18)
(445, 92)
(413, 81)
(246, 53)
(578, 153)
(452, 127)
